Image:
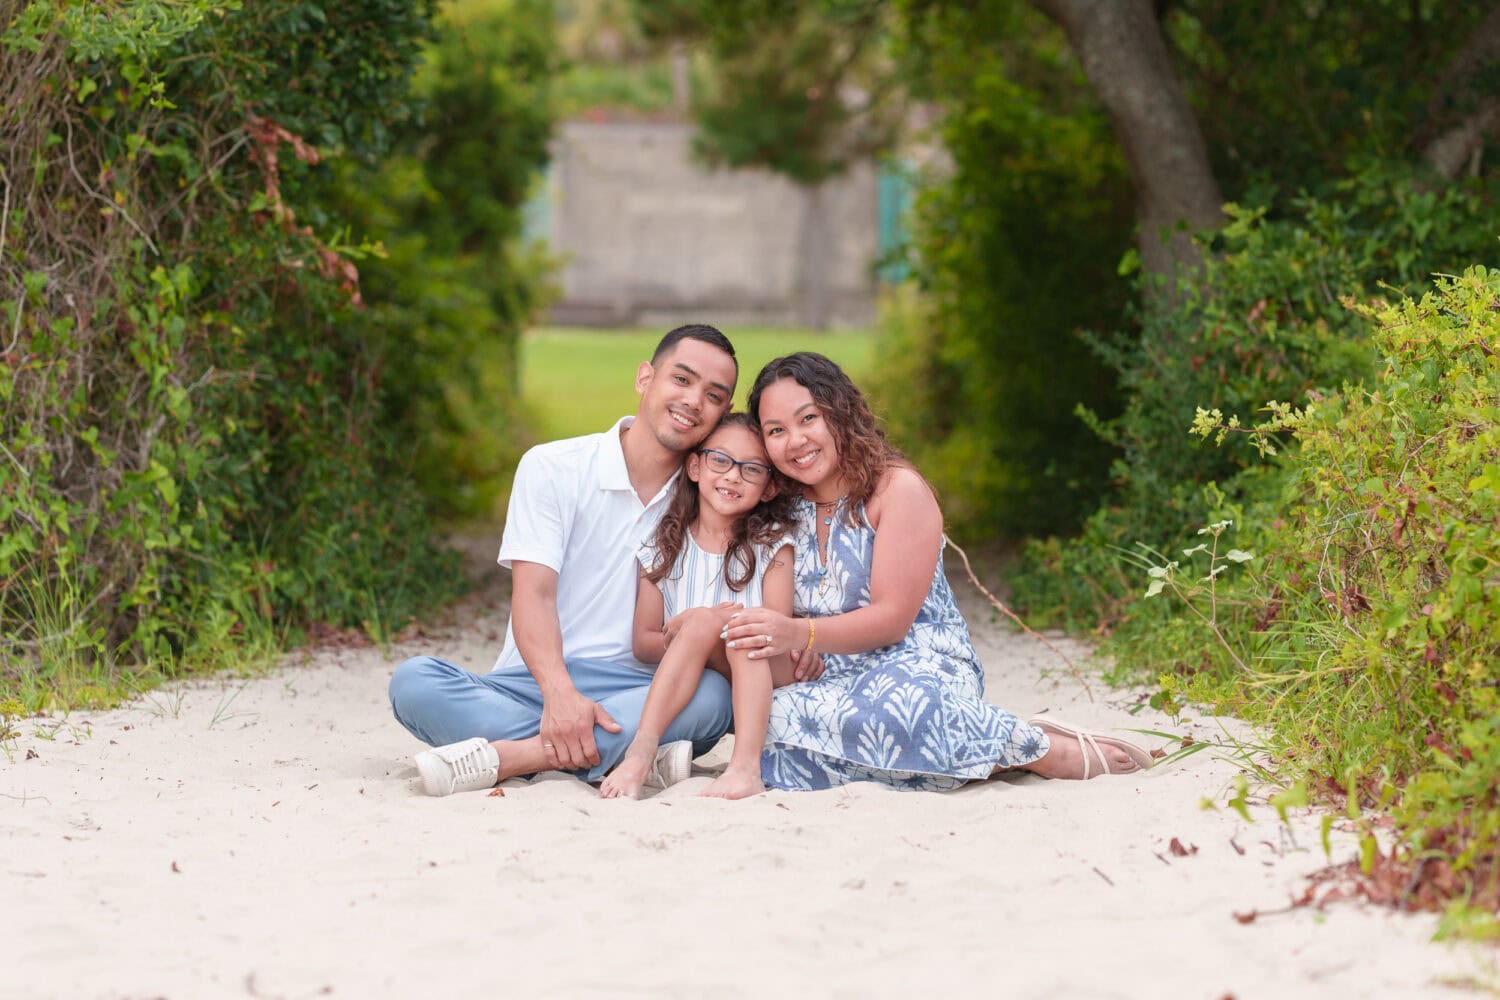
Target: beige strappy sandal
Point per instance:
(1088, 745)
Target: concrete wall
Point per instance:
(651, 238)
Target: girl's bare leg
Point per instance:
(671, 689)
(751, 684)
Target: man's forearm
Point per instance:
(541, 649)
(538, 632)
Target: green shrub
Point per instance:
(456, 285)
(1392, 534)
(1264, 321)
(1015, 249)
(199, 452)
(1363, 628)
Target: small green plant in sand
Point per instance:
(1200, 596)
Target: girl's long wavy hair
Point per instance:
(864, 452)
(764, 524)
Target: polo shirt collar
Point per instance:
(612, 472)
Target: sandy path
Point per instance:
(264, 837)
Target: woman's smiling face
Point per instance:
(799, 439)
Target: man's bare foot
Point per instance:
(1077, 753)
(734, 784)
(625, 781)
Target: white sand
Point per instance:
(266, 837)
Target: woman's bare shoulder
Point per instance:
(903, 490)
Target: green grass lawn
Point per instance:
(577, 381)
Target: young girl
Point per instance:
(721, 545)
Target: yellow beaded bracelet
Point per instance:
(811, 631)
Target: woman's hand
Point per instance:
(764, 632)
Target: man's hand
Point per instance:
(568, 721)
(807, 665)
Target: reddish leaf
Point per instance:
(1179, 851)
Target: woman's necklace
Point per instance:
(825, 512)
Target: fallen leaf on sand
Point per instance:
(176, 869)
(497, 790)
(1178, 851)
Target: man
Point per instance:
(566, 692)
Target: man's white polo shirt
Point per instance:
(572, 508)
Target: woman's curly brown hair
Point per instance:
(864, 452)
(764, 524)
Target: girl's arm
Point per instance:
(647, 641)
(776, 582)
(776, 590)
(901, 571)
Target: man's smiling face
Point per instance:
(685, 392)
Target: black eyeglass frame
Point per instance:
(728, 461)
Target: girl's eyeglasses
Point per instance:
(750, 472)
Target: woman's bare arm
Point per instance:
(901, 571)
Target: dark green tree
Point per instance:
(1072, 124)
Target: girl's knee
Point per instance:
(701, 633)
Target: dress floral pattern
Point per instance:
(910, 715)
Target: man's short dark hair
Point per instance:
(694, 331)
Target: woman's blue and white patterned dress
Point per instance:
(910, 715)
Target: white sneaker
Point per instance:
(459, 767)
(673, 763)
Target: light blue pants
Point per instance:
(440, 702)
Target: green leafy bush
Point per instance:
(1015, 251)
(1363, 630)
(456, 285)
(1265, 321)
(200, 449)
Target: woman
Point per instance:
(900, 697)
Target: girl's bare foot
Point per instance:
(735, 784)
(625, 781)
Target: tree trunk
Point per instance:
(1119, 44)
(1449, 145)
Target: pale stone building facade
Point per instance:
(648, 236)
